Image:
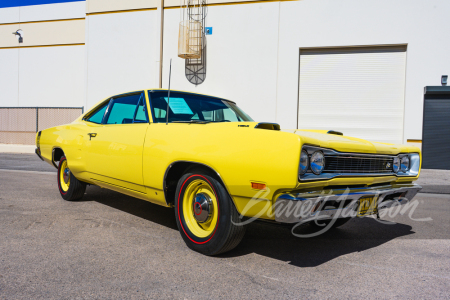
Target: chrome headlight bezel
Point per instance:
(414, 164)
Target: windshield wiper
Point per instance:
(192, 122)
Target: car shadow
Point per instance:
(278, 242)
(271, 240)
(140, 208)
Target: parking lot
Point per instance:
(112, 246)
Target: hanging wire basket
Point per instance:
(191, 29)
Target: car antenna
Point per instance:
(168, 94)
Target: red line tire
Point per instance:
(226, 234)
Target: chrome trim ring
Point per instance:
(202, 207)
(66, 175)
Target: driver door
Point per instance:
(114, 147)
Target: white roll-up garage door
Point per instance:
(358, 91)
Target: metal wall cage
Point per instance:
(192, 40)
(18, 125)
(191, 30)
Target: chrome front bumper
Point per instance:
(338, 203)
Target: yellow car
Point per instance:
(217, 167)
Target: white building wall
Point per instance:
(121, 53)
(241, 56)
(9, 15)
(51, 76)
(253, 54)
(56, 11)
(9, 77)
(40, 72)
(330, 23)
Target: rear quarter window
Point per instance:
(122, 109)
(97, 116)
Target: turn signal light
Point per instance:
(258, 186)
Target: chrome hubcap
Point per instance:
(202, 207)
(66, 175)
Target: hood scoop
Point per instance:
(268, 126)
(334, 132)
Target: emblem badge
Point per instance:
(388, 165)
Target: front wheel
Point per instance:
(70, 188)
(206, 216)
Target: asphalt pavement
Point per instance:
(111, 246)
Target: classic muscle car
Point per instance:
(216, 167)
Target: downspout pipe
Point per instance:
(161, 40)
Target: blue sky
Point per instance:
(13, 3)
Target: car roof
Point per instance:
(190, 93)
(149, 90)
(178, 91)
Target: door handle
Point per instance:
(91, 135)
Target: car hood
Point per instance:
(321, 138)
(341, 143)
(348, 144)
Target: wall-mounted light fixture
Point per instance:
(19, 35)
(444, 79)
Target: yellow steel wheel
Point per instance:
(200, 208)
(69, 186)
(64, 176)
(205, 214)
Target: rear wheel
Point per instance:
(70, 188)
(205, 214)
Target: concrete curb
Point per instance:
(28, 172)
(14, 148)
(435, 189)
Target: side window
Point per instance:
(159, 113)
(97, 116)
(141, 111)
(220, 115)
(231, 116)
(122, 110)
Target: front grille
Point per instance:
(358, 164)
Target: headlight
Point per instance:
(317, 162)
(396, 166)
(404, 164)
(304, 162)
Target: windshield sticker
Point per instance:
(179, 106)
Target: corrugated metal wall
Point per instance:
(436, 132)
(19, 125)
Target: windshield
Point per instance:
(194, 109)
